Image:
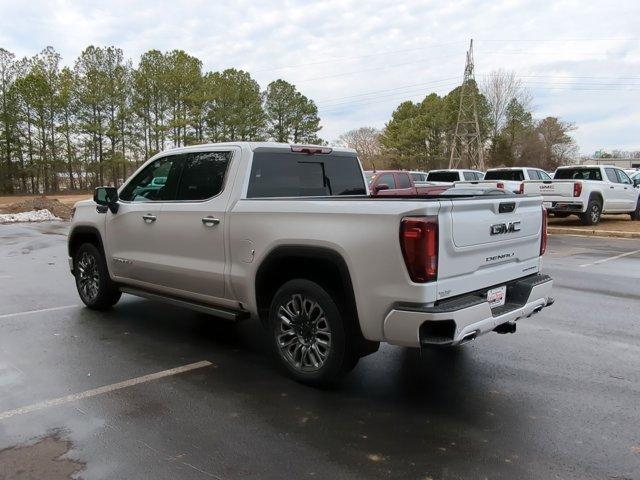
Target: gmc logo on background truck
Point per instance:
(508, 227)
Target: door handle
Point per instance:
(148, 218)
(612, 187)
(210, 221)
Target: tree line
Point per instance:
(94, 122)
(419, 134)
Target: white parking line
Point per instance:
(106, 389)
(608, 259)
(29, 312)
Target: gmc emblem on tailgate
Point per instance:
(508, 227)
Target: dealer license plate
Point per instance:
(497, 296)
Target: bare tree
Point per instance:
(365, 141)
(499, 88)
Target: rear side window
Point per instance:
(611, 175)
(403, 181)
(443, 177)
(509, 175)
(387, 179)
(202, 175)
(578, 174)
(285, 174)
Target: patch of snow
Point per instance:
(32, 216)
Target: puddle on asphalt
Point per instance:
(40, 460)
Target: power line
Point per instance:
(374, 92)
(377, 54)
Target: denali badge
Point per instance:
(508, 227)
(501, 256)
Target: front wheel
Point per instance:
(309, 335)
(593, 213)
(95, 287)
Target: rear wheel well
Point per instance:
(596, 196)
(323, 266)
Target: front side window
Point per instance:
(470, 176)
(623, 177)
(288, 174)
(544, 175)
(203, 175)
(157, 182)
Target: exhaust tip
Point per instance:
(469, 337)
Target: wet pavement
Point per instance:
(559, 399)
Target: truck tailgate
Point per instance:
(550, 188)
(488, 241)
(508, 185)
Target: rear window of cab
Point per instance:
(289, 174)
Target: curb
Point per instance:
(592, 233)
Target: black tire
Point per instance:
(593, 213)
(635, 215)
(96, 289)
(313, 317)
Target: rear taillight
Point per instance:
(543, 238)
(577, 189)
(521, 189)
(499, 185)
(419, 243)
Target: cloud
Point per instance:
(337, 51)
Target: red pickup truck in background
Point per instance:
(390, 183)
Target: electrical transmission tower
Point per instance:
(466, 145)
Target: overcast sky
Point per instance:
(359, 59)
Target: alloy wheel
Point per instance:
(88, 276)
(304, 334)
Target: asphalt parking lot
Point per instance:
(151, 391)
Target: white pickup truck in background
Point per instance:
(588, 191)
(510, 179)
(288, 234)
(451, 175)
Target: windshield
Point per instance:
(578, 174)
(509, 175)
(443, 176)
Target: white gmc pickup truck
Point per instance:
(288, 235)
(588, 191)
(511, 179)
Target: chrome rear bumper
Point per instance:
(460, 319)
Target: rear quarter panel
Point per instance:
(364, 232)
